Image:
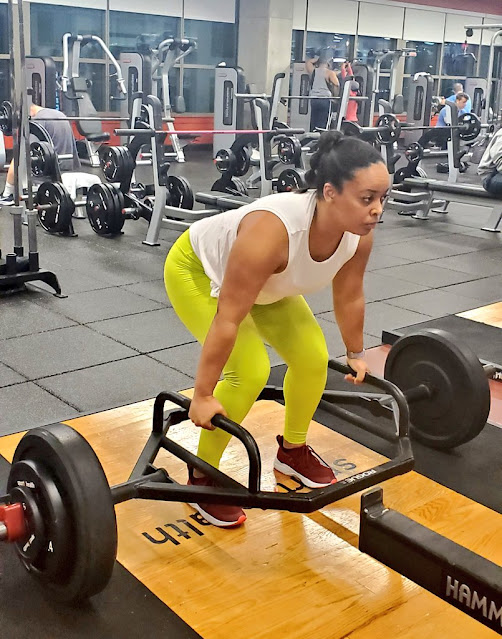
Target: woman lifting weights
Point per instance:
(237, 280)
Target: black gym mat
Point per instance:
(484, 340)
(125, 609)
(473, 469)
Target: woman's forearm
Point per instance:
(350, 320)
(217, 348)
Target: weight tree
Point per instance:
(17, 269)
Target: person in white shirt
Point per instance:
(490, 166)
(237, 281)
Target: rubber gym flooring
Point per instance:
(115, 341)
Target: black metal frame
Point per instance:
(457, 575)
(148, 482)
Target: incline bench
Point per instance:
(421, 192)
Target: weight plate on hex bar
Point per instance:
(289, 150)
(57, 218)
(100, 207)
(66, 457)
(460, 404)
(43, 159)
(179, 192)
(6, 118)
(390, 129)
(45, 548)
(291, 180)
(472, 125)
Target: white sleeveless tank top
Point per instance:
(212, 239)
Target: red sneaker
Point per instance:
(217, 514)
(304, 464)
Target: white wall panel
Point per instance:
(423, 25)
(381, 20)
(213, 10)
(455, 28)
(152, 7)
(335, 16)
(299, 10)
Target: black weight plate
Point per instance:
(43, 159)
(401, 174)
(75, 470)
(390, 129)
(460, 404)
(32, 543)
(112, 163)
(130, 163)
(414, 152)
(180, 192)
(45, 550)
(127, 166)
(225, 161)
(472, 125)
(57, 219)
(351, 128)
(100, 208)
(291, 180)
(289, 150)
(234, 186)
(117, 218)
(6, 118)
(242, 160)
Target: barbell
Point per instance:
(59, 510)
(152, 132)
(388, 128)
(6, 114)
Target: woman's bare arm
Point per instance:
(260, 250)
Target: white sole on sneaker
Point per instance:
(217, 522)
(291, 472)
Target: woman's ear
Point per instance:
(329, 192)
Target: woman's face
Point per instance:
(358, 206)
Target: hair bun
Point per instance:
(328, 141)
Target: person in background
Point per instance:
(346, 70)
(440, 134)
(323, 86)
(59, 129)
(459, 88)
(490, 166)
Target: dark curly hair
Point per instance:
(336, 160)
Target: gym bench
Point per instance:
(420, 194)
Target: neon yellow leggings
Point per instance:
(287, 325)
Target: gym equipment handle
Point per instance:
(220, 421)
(388, 387)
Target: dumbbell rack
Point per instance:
(17, 269)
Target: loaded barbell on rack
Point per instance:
(59, 510)
(388, 128)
